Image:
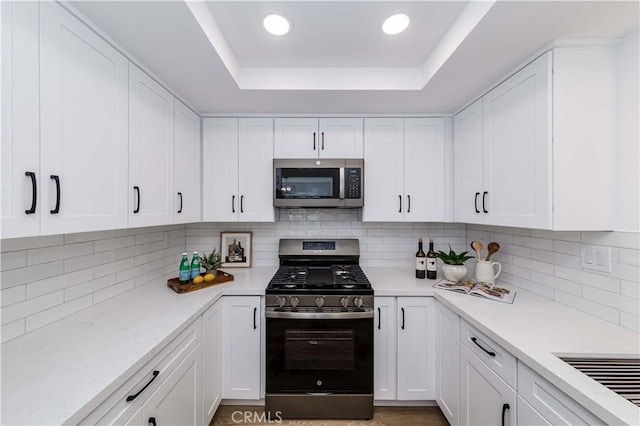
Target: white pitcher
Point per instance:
(485, 271)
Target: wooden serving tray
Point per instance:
(221, 277)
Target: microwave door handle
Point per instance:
(341, 195)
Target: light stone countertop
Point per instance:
(61, 372)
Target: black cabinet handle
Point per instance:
(379, 318)
(473, 339)
(475, 203)
(137, 190)
(408, 203)
(255, 310)
(152, 421)
(402, 309)
(180, 209)
(132, 397)
(314, 141)
(241, 204)
(34, 192)
(56, 209)
(323, 141)
(400, 198)
(484, 199)
(505, 407)
(233, 204)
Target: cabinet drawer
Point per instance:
(551, 403)
(116, 408)
(494, 355)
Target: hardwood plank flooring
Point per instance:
(232, 415)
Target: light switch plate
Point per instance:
(596, 258)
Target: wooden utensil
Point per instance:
(493, 247)
(477, 247)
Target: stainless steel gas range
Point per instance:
(319, 326)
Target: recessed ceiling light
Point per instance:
(395, 24)
(276, 24)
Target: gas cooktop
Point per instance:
(321, 279)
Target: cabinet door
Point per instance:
(151, 151)
(384, 349)
(447, 362)
(528, 416)
(341, 138)
(424, 169)
(484, 397)
(517, 149)
(20, 121)
(384, 170)
(212, 361)
(241, 343)
(416, 348)
(255, 171)
(187, 164)
(220, 201)
(84, 119)
(467, 164)
(131, 417)
(296, 138)
(178, 400)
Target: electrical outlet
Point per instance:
(596, 258)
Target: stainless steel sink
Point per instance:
(621, 375)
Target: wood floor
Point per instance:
(231, 415)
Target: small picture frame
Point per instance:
(235, 248)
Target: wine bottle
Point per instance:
(420, 261)
(432, 269)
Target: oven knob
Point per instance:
(319, 301)
(294, 301)
(344, 302)
(281, 300)
(358, 301)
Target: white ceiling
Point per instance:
(216, 57)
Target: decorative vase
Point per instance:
(454, 273)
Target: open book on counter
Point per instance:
(479, 289)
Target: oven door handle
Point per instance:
(270, 313)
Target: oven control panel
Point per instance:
(318, 301)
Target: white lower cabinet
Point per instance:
(178, 400)
(241, 343)
(384, 349)
(404, 349)
(485, 399)
(448, 363)
(212, 361)
(541, 403)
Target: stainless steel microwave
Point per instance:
(318, 183)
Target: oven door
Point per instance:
(319, 352)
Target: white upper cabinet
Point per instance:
(318, 138)
(467, 170)
(404, 169)
(187, 164)
(538, 150)
(151, 151)
(237, 178)
(84, 113)
(21, 193)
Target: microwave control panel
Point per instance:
(353, 184)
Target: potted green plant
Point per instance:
(211, 262)
(453, 268)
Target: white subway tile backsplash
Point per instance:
(626, 272)
(12, 330)
(630, 321)
(537, 243)
(593, 308)
(566, 247)
(48, 316)
(556, 258)
(13, 260)
(31, 306)
(13, 295)
(615, 239)
(629, 256)
(617, 301)
(19, 276)
(630, 289)
(566, 286)
(533, 265)
(49, 285)
(591, 279)
(79, 270)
